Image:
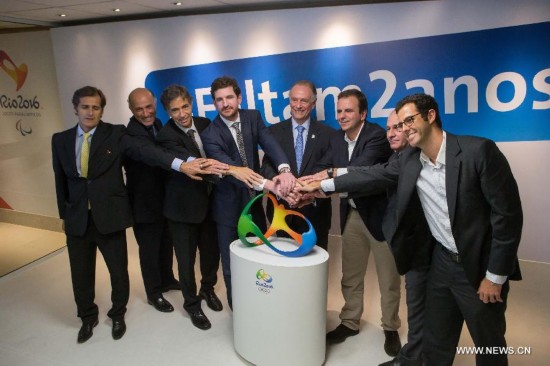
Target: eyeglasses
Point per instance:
(410, 120)
(398, 127)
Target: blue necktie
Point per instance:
(299, 146)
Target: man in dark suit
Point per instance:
(458, 202)
(416, 278)
(305, 142)
(187, 206)
(145, 186)
(361, 143)
(233, 138)
(93, 202)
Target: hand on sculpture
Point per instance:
(286, 181)
(246, 175)
(292, 197)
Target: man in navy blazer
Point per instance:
(315, 144)
(458, 202)
(233, 127)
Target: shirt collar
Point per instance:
(440, 160)
(305, 124)
(228, 122)
(356, 137)
(185, 129)
(80, 131)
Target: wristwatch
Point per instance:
(284, 170)
(330, 172)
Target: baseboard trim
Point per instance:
(31, 220)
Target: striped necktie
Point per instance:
(240, 143)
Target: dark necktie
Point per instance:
(299, 146)
(240, 143)
(152, 130)
(191, 134)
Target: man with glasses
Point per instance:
(458, 201)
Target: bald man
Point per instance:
(145, 186)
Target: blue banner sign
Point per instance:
(493, 83)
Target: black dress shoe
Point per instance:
(212, 300)
(161, 304)
(171, 286)
(86, 331)
(403, 362)
(392, 345)
(119, 328)
(200, 320)
(340, 334)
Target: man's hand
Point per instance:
(312, 186)
(246, 175)
(306, 179)
(193, 168)
(293, 197)
(489, 291)
(213, 166)
(286, 182)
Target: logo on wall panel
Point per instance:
(492, 98)
(264, 282)
(306, 241)
(17, 73)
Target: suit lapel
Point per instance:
(452, 173)
(99, 154)
(69, 145)
(410, 167)
(288, 145)
(359, 143)
(246, 130)
(227, 138)
(310, 143)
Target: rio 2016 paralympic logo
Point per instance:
(17, 73)
(306, 241)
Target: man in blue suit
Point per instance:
(233, 138)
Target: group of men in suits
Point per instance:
(454, 208)
(457, 212)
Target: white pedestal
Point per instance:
(281, 322)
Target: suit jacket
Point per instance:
(231, 195)
(104, 188)
(317, 148)
(482, 197)
(186, 200)
(371, 148)
(145, 183)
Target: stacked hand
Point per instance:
(193, 169)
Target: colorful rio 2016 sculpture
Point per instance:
(306, 241)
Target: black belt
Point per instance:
(455, 257)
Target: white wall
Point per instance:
(117, 57)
